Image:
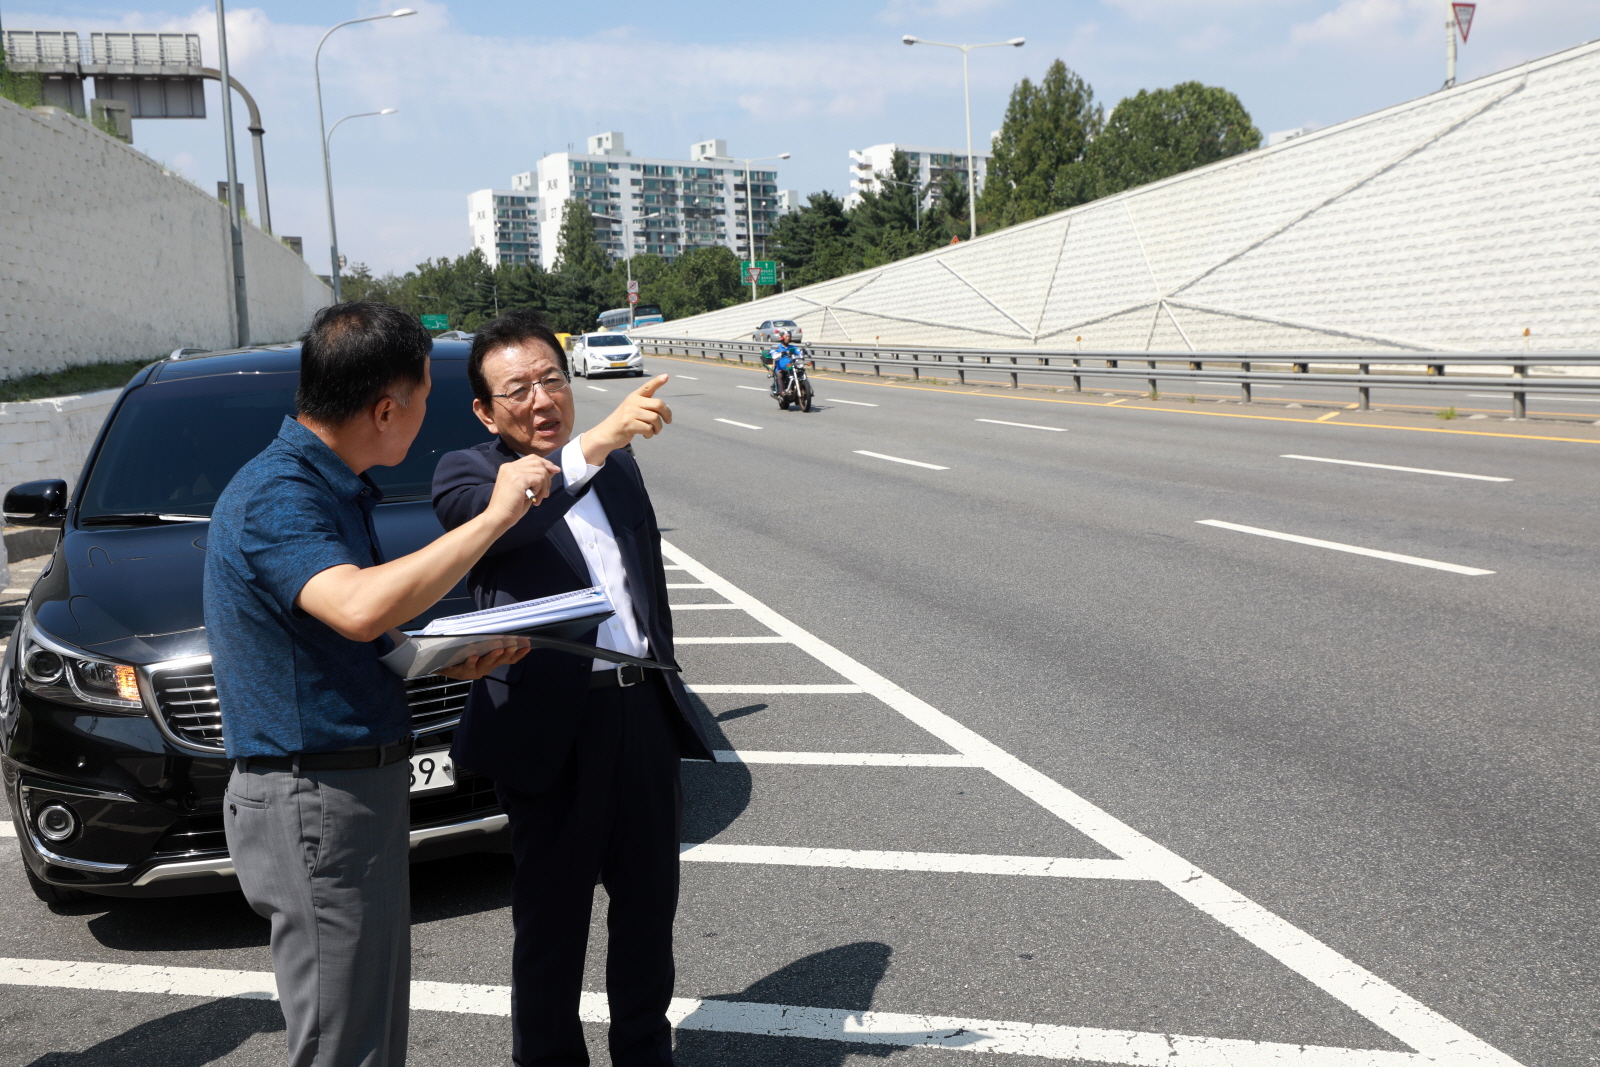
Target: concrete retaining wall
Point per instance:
(50, 438)
(106, 255)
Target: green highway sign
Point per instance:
(767, 267)
(436, 322)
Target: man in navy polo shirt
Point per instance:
(298, 602)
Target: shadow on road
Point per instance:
(175, 924)
(185, 1038)
(845, 978)
(714, 794)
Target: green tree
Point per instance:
(813, 242)
(1038, 165)
(1161, 132)
(947, 217)
(577, 250)
(703, 279)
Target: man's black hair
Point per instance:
(354, 355)
(510, 330)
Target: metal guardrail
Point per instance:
(1191, 366)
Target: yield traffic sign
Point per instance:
(1464, 13)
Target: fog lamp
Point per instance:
(56, 822)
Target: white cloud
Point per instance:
(899, 10)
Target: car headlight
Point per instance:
(67, 676)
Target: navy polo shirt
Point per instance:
(286, 681)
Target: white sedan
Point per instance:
(606, 353)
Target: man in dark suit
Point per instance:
(584, 754)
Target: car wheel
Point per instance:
(52, 894)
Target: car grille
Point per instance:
(186, 700)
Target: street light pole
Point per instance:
(241, 300)
(322, 130)
(627, 252)
(966, 86)
(749, 206)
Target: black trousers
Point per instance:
(614, 814)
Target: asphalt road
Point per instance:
(1298, 799)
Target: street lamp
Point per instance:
(337, 294)
(627, 251)
(915, 185)
(322, 128)
(749, 213)
(966, 81)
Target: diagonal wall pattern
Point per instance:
(1452, 222)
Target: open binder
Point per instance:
(565, 616)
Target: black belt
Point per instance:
(345, 759)
(625, 674)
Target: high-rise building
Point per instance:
(929, 166)
(669, 206)
(505, 224)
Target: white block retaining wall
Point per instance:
(106, 255)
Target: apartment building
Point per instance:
(929, 164)
(505, 225)
(667, 206)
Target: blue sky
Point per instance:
(484, 88)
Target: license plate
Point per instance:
(432, 772)
(624, 363)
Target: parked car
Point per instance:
(110, 732)
(596, 354)
(767, 332)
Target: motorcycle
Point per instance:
(796, 386)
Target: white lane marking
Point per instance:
(1405, 1018)
(703, 607)
(948, 862)
(845, 759)
(753, 388)
(1357, 550)
(897, 459)
(685, 585)
(686, 377)
(1537, 396)
(672, 567)
(597, 389)
(1024, 425)
(764, 640)
(1391, 467)
(7, 829)
(743, 425)
(775, 689)
(855, 403)
(893, 1029)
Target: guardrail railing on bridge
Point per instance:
(1245, 369)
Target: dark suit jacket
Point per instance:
(521, 720)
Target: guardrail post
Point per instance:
(1077, 379)
(1014, 384)
(1365, 392)
(1244, 387)
(1519, 399)
(961, 375)
(1155, 392)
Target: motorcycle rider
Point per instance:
(777, 361)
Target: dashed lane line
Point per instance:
(753, 388)
(852, 403)
(598, 389)
(845, 759)
(684, 585)
(742, 425)
(1356, 550)
(897, 459)
(1438, 1040)
(7, 830)
(946, 862)
(879, 1028)
(764, 639)
(686, 377)
(705, 607)
(1392, 467)
(1024, 425)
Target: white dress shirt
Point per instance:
(592, 530)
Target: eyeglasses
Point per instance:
(552, 384)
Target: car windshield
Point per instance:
(609, 340)
(174, 446)
(784, 324)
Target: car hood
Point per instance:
(134, 594)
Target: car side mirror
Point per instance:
(41, 503)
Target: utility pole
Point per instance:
(235, 205)
(1458, 19)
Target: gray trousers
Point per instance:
(324, 857)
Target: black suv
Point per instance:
(110, 733)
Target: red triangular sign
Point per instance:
(1464, 14)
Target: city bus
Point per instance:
(643, 315)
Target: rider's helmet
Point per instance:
(783, 335)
